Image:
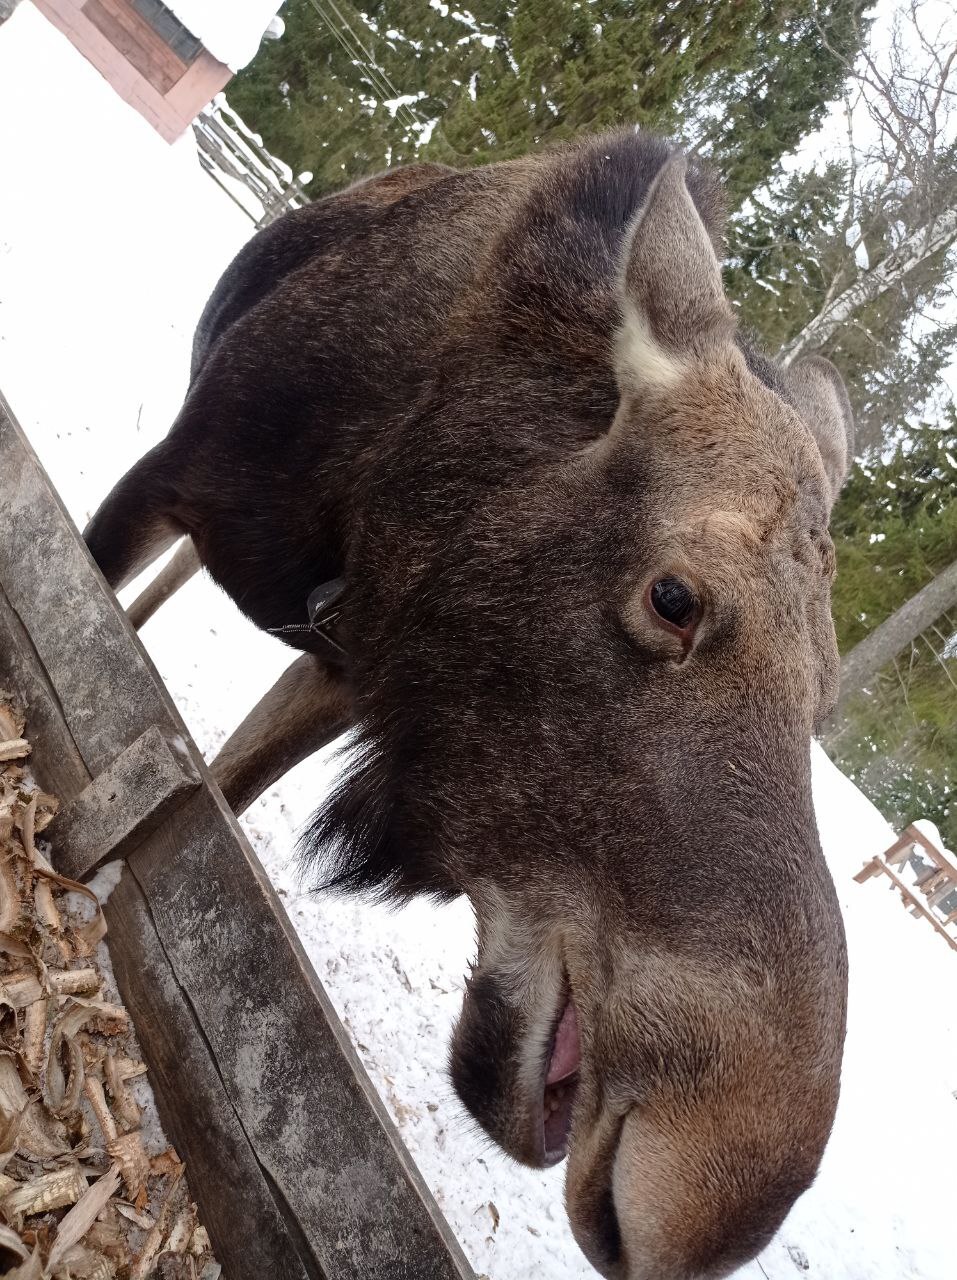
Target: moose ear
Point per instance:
(674, 307)
(820, 397)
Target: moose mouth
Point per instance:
(560, 1084)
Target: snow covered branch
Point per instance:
(909, 254)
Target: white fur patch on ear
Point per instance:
(643, 364)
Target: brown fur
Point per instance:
(503, 403)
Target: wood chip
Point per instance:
(47, 809)
(48, 1191)
(166, 1162)
(182, 1231)
(29, 1270)
(154, 1240)
(75, 982)
(63, 1091)
(41, 1136)
(124, 1104)
(20, 989)
(129, 1153)
(200, 1242)
(80, 1263)
(11, 903)
(15, 947)
(104, 1117)
(84, 1213)
(9, 1137)
(11, 1242)
(48, 913)
(62, 1037)
(28, 828)
(132, 1214)
(12, 720)
(34, 1034)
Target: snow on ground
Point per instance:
(104, 269)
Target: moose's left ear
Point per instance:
(674, 308)
(820, 397)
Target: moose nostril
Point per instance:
(607, 1234)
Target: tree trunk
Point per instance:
(886, 641)
(918, 246)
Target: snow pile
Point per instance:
(231, 30)
(99, 293)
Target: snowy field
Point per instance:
(110, 242)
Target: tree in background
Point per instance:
(895, 528)
(790, 257)
(855, 258)
(346, 93)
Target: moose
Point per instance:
(568, 531)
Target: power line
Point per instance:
(378, 78)
(369, 54)
(379, 82)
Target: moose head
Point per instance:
(586, 700)
(584, 531)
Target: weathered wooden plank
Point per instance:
(133, 36)
(120, 807)
(107, 688)
(298, 1086)
(59, 766)
(235, 1200)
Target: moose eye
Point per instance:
(674, 603)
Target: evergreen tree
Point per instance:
(790, 256)
(853, 258)
(345, 93)
(895, 528)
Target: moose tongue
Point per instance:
(566, 1054)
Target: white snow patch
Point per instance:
(392, 105)
(232, 30)
(425, 130)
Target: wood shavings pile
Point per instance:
(81, 1198)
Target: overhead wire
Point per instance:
(359, 54)
(365, 49)
(379, 82)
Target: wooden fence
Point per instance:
(234, 157)
(297, 1169)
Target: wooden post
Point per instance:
(872, 868)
